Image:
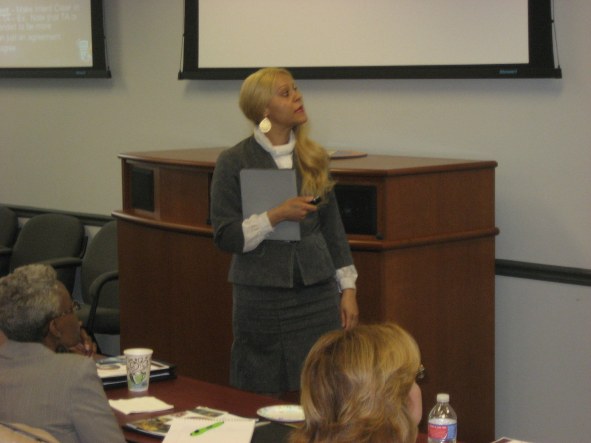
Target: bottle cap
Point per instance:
(442, 398)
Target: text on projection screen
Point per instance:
(42, 34)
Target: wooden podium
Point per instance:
(422, 232)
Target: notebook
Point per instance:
(263, 189)
(201, 416)
(113, 371)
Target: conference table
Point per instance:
(186, 393)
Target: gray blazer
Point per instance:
(323, 247)
(59, 393)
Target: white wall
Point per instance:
(543, 361)
(60, 140)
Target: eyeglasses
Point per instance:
(420, 374)
(74, 308)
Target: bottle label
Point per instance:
(443, 431)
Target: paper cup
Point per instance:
(138, 361)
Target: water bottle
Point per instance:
(443, 422)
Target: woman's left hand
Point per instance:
(349, 309)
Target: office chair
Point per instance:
(54, 239)
(99, 283)
(8, 231)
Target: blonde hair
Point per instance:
(355, 387)
(311, 159)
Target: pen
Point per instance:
(200, 431)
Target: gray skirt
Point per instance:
(274, 328)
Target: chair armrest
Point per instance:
(62, 262)
(5, 251)
(95, 292)
(98, 283)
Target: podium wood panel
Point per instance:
(175, 299)
(429, 266)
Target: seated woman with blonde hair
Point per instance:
(359, 386)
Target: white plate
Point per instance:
(282, 413)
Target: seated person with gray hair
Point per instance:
(59, 393)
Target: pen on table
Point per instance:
(200, 431)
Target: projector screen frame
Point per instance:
(99, 68)
(541, 63)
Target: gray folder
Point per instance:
(263, 189)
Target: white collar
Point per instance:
(275, 151)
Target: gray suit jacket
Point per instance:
(323, 247)
(59, 393)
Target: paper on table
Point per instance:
(139, 404)
(233, 431)
(508, 440)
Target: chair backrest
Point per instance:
(49, 236)
(8, 226)
(8, 232)
(100, 257)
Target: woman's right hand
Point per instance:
(87, 347)
(294, 209)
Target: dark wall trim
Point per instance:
(87, 219)
(536, 271)
(507, 268)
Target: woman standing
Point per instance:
(286, 294)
